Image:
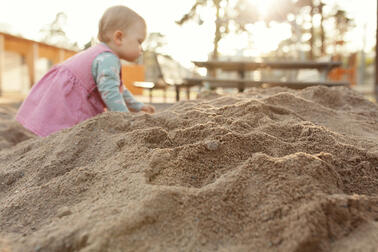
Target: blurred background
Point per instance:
(35, 35)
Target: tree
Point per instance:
(245, 12)
(55, 34)
(305, 8)
(308, 9)
(224, 16)
(154, 42)
(193, 14)
(342, 25)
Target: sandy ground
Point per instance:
(11, 132)
(267, 170)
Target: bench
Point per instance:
(152, 86)
(241, 84)
(164, 72)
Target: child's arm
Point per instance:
(131, 102)
(135, 105)
(105, 71)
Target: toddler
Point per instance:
(90, 81)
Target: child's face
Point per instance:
(129, 44)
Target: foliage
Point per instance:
(154, 42)
(238, 14)
(298, 13)
(225, 15)
(54, 32)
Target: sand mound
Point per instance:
(267, 170)
(11, 132)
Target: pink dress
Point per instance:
(65, 96)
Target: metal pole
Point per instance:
(376, 59)
(2, 64)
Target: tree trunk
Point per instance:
(217, 30)
(322, 31)
(217, 37)
(312, 39)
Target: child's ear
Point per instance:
(117, 37)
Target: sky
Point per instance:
(186, 43)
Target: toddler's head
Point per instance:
(116, 18)
(123, 30)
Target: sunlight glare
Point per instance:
(268, 39)
(263, 6)
(261, 41)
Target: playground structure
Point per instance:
(349, 71)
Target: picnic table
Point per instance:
(241, 67)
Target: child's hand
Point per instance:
(148, 109)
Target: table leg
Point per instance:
(177, 93)
(324, 74)
(241, 76)
(2, 60)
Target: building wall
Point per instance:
(16, 77)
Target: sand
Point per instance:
(266, 170)
(11, 132)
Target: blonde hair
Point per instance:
(116, 18)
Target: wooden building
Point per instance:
(30, 51)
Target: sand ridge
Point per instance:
(11, 132)
(267, 170)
